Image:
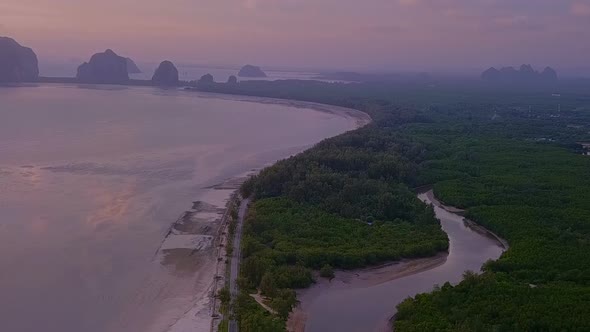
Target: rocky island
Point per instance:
(166, 74)
(207, 79)
(17, 63)
(232, 80)
(251, 71)
(132, 68)
(104, 68)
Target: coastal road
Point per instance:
(235, 261)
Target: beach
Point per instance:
(204, 312)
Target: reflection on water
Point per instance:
(366, 309)
(92, 178)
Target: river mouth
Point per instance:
(91, 178)
(365, 300)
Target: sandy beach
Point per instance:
(360, 118)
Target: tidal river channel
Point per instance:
(369, 308)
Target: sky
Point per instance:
(343, 34)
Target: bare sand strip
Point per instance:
(203, 315)
(360, 118)
(193, 245)
(360, 278)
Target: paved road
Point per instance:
(235, 260)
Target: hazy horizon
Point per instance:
(395, 35)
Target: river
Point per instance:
(92, 177)
(368, 307)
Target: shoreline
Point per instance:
(360, 118)
(195, 235)
(205, 308)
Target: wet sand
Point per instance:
(191, 246)
(360, 118)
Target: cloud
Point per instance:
(580, 9)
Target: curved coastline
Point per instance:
(204, 311)
(183, 235)
(361, 118)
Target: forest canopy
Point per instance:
(511, 157)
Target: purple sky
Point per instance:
(359, 34)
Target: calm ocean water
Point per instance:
(92, 177)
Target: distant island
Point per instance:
(232, 80)
(166, 74)
(526, 74)
(251, 71)
(132, 68)
(207, 79)
(104, 68)
(17, 63)
(505, 147)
